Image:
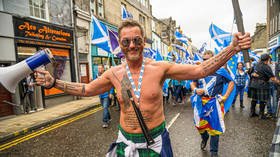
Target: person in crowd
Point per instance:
(139, 86)
(259, 86)
(209, 120)
(105, 100)
(28, 97)
(178, 91)
(272, 101)
(240, 81)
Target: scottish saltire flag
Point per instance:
(114, 44)
(177, 56)
(180, 47)
(221, 37)
(170, 56)
(202, 49)
(159, 57)
(228, 102)
(152, 54)
(254, 55)
(197, 58)
(216, 51)
(125, 14)
(181, 37)
(149, 53)
(240, 57)
(165, 87)
(99, 35)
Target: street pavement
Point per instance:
(14, 126)
(244, 136)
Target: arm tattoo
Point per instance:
(214, 63)
(71, 87)
(84, 89)
(125, 84)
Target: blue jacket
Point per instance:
(106, 94)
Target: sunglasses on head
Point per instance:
(137, 41)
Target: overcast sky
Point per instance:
(195, 16)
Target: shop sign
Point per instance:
(34, 30)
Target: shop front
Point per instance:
(274, 48)
(33, 35)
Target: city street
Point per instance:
(244, 136)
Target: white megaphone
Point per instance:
(10, 76)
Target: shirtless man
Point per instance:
(148, 95)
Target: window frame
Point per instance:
(100, 4)
(46, 10)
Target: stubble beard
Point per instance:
(134, 57)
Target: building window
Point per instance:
(142, 20)
(147, 3)
(92, 7)
(100, 9)
(38, 9)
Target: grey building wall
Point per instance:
(7, 45)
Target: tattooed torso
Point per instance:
(150, 102)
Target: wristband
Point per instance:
(64, 86)
(54, 82)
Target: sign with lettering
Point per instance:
(34, 30)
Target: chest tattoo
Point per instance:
(125, 84)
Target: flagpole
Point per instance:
(240, 27)
(210, 36)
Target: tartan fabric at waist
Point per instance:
(139, 137)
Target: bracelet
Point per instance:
(64, 86)
(54, 82)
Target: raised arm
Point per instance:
(95, 87)
(191, 72)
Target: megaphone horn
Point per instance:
(10, 76)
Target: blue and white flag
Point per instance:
(159, 57)
(216, 50)
(170, 56)
(125, 14)
(181, 37)
(197, 58)
(254, 55)
(152, 54)
(240, 57)
(149, 53)
(202, 49)
(100, 35)
(221, 37)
